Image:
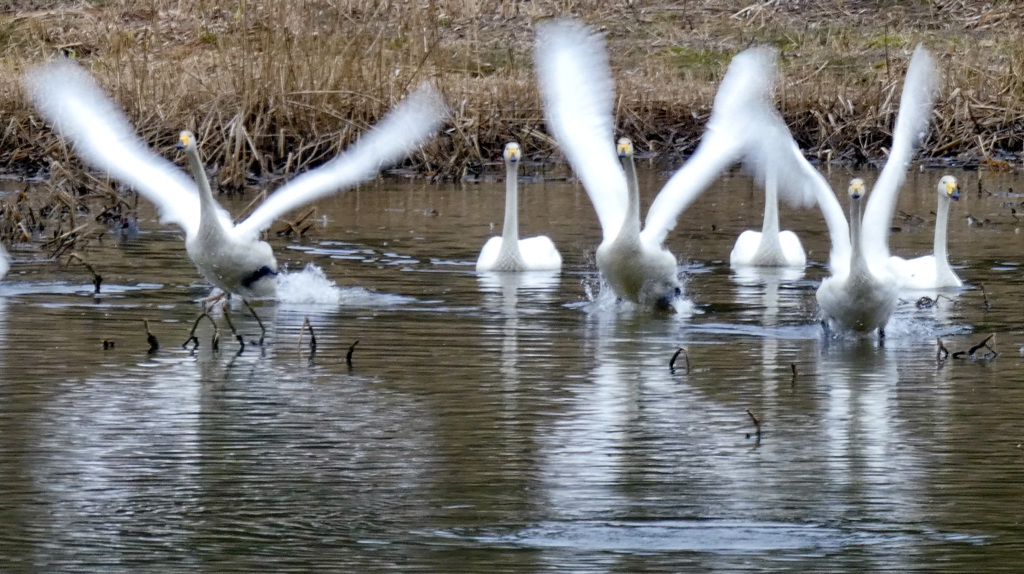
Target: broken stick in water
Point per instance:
(348, 356)
(686, 357)
(97, 280)
(150, 338)
(215, 342)
(312, 335)
(757, 425)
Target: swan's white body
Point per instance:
(5, 262)
(861, 292)
(230, 256)
(859, 299)
(579, 97)
(931, 271)
(768, 247)
(508, 253)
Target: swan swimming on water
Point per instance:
(508, 253)
(861, 292)
(769, 247)
(931, 271)
(579, 96)
(230, 256)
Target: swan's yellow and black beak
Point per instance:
(856, 188)
(184, 140)
(512, 152)
(624, 148)
(952, 189)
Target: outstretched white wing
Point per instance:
(911, 127)
(579, 97)
(406, 127)
(795, 173)
(749, 82)
(69, 99)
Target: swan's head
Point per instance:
(856, 190)
(671, 293)
(512, 153)
(949, 188)
(186, 140)
(624, 148)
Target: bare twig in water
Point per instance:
(348, 356)
(312, 335)
(241, 341)
(150, 338)
(927, 302)
(263, 330)
(943, 352)
(97, 280)
(792, 366)
(987, 305)
(686, 357)
(757, 425)
(984, 344)
(215, 343)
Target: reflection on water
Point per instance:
(511, 423)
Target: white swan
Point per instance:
(230, 256)
(861, 292)
(861, 299)
(579, 96)
(508, 253)
(768, 247)
(931, 271)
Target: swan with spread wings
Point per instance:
(861, 292)
(579, 96)
(229, 255)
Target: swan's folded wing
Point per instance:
(69, 99)
(747, 85)
(402, 130)
(911, 127)
(579, 96)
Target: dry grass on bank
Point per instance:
(274, 86)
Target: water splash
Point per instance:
(312, 287)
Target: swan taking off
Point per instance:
(860, 294)
(769, 247)
(230, 256)
(931, 271)
(508, 253)
(579, 97)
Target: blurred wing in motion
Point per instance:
(748, 84)
(69, 99)
(800, 178)
(579, 97)
(402, 130)
(911, 127)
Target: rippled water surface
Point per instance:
(518, 424)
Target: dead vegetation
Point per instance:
(274, 86)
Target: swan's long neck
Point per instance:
(941, 222)
(857, 262)
(208, 220)
(770, 248)
(509, 256)
(631, 224)
(510, 231)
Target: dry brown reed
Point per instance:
(274, 86)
